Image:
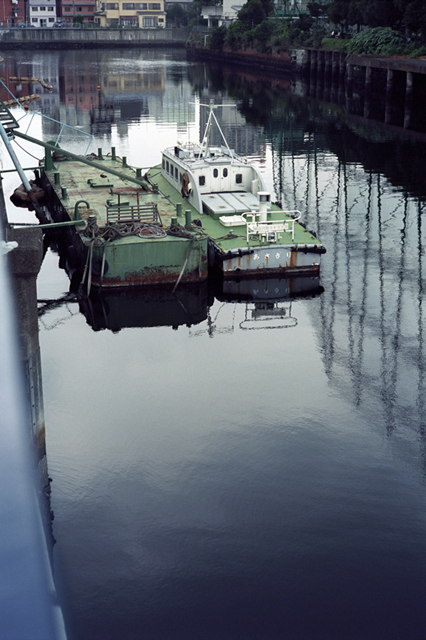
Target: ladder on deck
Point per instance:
(7, 120)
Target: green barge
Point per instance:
(140, 230)
(204, 208)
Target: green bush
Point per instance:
(417, 52)
(234, 35)
(379, 41)
(334, 44)
(217, 38)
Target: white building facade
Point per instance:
(41, 13)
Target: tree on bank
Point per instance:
(394, 26)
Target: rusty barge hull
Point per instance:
(133, 231)
(150, 247)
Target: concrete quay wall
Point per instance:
(76, 38)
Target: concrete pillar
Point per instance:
(367, 92)
(328, 59)
(24, 265)
(388, 98)
(314, 62)
(408, 99)
(349, 80)
(320, 63)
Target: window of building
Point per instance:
(154, 6)
(201, 180)
(149, 22)
(34, 19)
(50, 9)
(112, 6)
(67, 8)
(239, 178)
(129, 6)
(35, 9)
(42, 8)
(51, 19)
(142, 6)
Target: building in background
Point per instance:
(12, 12)
(85, 11)
(41, 13)
(218, 15)
(145, 15)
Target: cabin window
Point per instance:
(239, 178)
(225, 172)
(176, 173)
(164, 163)
(167, 166)
(215, 173)
(201, 180)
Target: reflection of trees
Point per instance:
(364, 194)
(271, 103)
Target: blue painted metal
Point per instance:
(29, 609)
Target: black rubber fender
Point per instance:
(97, 266)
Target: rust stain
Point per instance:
(150, 277)
(293, 259)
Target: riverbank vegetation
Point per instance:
(380, 27)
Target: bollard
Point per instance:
(100, 153)
(64, 192)
(57, 177)
(188, 219)
(113, 156)
(179, 209)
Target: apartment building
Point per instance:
(12, 12)
(69, 9)
(41, 13)
(145, 15)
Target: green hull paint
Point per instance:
(131, 260)
(141, 262)
(135, 260)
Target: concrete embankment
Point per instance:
(282, 63)
(305, 61)
(74, 38)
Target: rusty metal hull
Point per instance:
(135, 263)
(273, 259)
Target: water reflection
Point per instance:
(261, 483)
(353, 184)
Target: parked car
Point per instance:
(59, 24)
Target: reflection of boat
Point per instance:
(267, 302)
(146, 307)
(268, 315)
(260, 289)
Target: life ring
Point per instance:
(186, 190)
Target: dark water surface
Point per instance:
(251, 476)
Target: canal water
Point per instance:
(241, 464)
